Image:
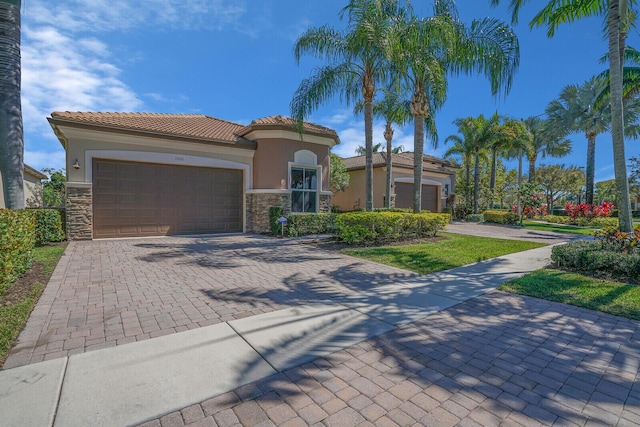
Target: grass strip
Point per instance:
(606, 296)
(15, 312)
(558, 228)
(454, 251)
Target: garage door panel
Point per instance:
(404, 196)
(143, 199)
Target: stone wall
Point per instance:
(325, 203)
(79, 212)
(258, 204)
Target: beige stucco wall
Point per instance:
(85, 145)
(271, 162)
(353, 196)
(32, 190)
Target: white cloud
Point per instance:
(123, 15)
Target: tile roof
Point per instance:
(198, 126)
(402, 159)
(189, 125)
(34, 172)
(289, 123)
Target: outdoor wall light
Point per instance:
(76, 165)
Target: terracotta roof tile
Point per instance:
(288, 122)
(402, 159)
(189, 125)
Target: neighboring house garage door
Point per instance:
(404, 196)
(144, 199)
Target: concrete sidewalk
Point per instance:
(140, 381)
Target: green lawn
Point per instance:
(616, 298)
(454, 251)
(558, 228)
(14, 315)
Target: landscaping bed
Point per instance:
(20, 298)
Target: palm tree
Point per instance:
(507, 139)
(479, 134)
(464, 145)
(11, 132)
(619, 17)
(575, 110)
(393, 110)
(358, 62)
(427, 50)
(361, 150)
(543, 141)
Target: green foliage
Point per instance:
(380, 227)
(53, 190)
(474, 218)
(599, 222)
(309, 223)
(500, 217)
(338, 172)
(48, 226)
(275, 212)
(594, 258)
(558, 219)
(17, 239)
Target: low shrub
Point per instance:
(275, 212)
(614, 239)
(599, 222)
(500, 217)
(592, 257)
(17, 240)
(460, 211)
(303, 224)
(474, 218)
(48, 226)
(382, 227)
(405, 210)
(557, 219)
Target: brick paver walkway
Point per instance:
(112, 292)
(498, 359)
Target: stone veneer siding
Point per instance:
(258, 205)
(79, 213)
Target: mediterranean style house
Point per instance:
(438, 182)
(143, 174)
(32, 188)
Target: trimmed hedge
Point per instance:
(382, 227)
(474, 218)
(17, 240)
(600, 222)
(595, 258)
(500, 217)
(557, 219)
(48, 226)
(301, 224)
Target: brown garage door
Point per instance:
(404, 196)
(145, 199)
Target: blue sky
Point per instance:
(232, 59)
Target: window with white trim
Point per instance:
(304, 189)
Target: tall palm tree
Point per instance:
(358, 61)
(480, 134)
(11, 132)
(427, 50)
(507, 139)
(464, 145)
(394, 110)
(575, 110)
(543, 141)
(619, 16)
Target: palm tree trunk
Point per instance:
(476, 182)
(591, 163)
(11, 132)
(617, 121)
(492, 182)
(532, 168)
(467, 184)
(418, 150)
(388, 135)
(368, 145)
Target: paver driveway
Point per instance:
(111, 292)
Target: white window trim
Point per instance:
(318, 190)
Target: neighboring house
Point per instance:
(143, 174)
(438, 182)
(32, 188)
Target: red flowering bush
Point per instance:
(588, 211)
